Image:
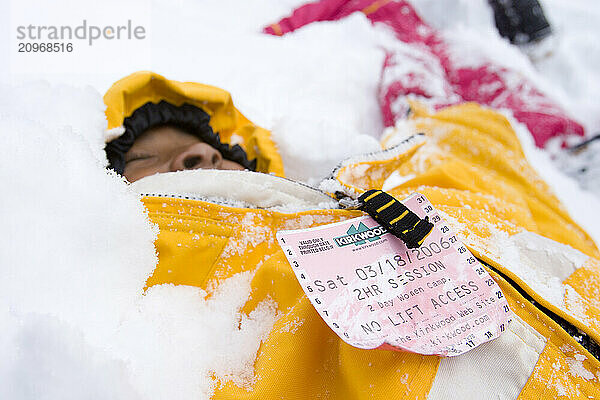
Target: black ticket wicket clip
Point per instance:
(395, 217)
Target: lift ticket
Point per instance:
(374, 292)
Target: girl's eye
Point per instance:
(137, 158)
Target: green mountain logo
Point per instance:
(360, 235)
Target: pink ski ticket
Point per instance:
(374, 292)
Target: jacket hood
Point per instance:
(132, 92)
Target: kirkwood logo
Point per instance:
(359, 236)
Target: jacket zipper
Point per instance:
(580, 337)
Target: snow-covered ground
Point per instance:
(568, 74)
(76, 246)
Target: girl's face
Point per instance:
(168, 149)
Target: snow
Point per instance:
(207, 336)
(576, 368)
(77, 246)
(46, 358)
(77, 249)
(541, 263)
(568, 74)
(333, 108)
(582, 205)
(583, 164)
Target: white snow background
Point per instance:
(76, 246)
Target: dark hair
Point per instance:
(188, 118)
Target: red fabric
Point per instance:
(434, 78)
(325, 10)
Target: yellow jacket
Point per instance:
(471, 167)
(135, 90)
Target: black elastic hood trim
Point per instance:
(188, 118)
